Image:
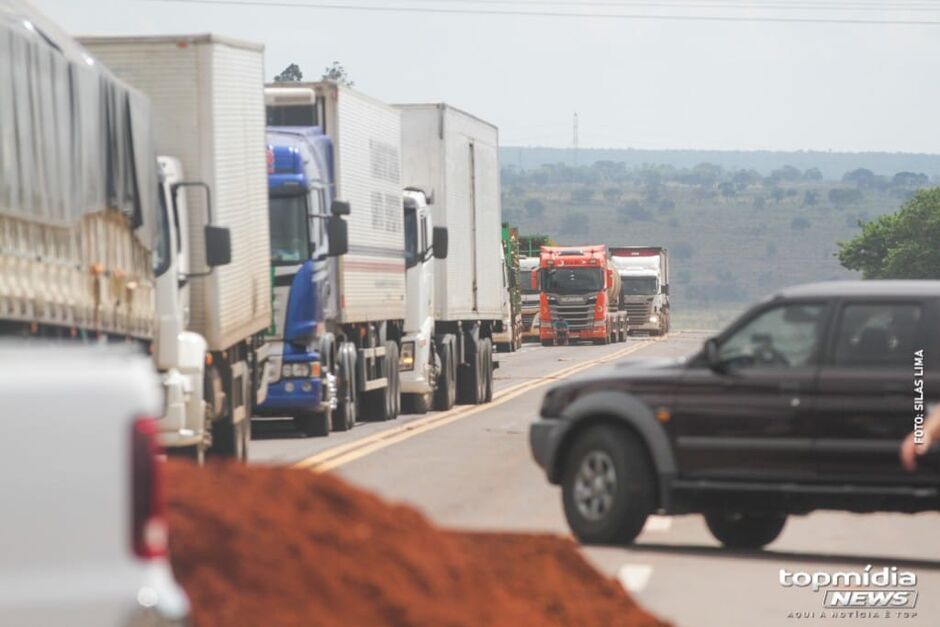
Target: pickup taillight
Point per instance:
(148, 515)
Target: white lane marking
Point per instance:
(658, 523)
(634, 577)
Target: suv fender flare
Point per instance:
(628, 410)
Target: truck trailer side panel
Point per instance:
(208, 108)
(455, 156)
(367, 144)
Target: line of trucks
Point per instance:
(598, 293)
(279, 250)
(293, 249)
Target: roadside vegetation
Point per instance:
(733, 235)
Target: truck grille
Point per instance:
(638, 313)
(577, 316)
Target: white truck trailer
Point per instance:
(644, 286)
(87, 250)
(208, 108)
(450, 158)
(355, 173)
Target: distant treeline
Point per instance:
(831, 165)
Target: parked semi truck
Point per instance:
(458, 302)
(89, 241)
(529, 288)
(644, 286)
(339, 305)
(580, 291)
(208, 112)
(509, 337)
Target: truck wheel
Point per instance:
(394, 377)
(314, 423)
(745, 531)
(344, 418)
(380, 404)
(470, 377)
(488, 370)
(418, 403)
(446, 393)
(608, 486)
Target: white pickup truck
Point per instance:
(83, 535)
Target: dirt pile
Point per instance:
(272, 546)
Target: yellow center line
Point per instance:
(345, 453)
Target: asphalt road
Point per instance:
(471, 468)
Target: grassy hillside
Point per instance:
(733, 236)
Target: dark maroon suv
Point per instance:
(801, 404)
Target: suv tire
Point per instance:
(608, 486)
(745, 531)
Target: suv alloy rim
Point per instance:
(595, 485)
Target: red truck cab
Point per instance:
(580, 294)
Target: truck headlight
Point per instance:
(654, 319)
(300, 370)
(285, 371)
(406, 360)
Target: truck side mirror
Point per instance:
(339, 208)
(218, 246)
(338, 232)
(440, 242)
(665, 289)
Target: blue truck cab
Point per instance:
(300, 175)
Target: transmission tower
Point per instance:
(574, 138)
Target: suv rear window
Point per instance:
(877, 334)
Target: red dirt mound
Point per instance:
(269, 547)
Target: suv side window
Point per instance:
(786, 336)
(877, 334)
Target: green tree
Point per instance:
(582, 194)
(901, 245)
(337, 72)
(799, 223)
(290, 73)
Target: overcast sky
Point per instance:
(634, 83)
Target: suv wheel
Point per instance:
(608, 488)
(745, 531)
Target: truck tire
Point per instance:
(418, 403)
(446, 393)
(381, 404)
(394, 377)
(608, 486)
(470, 377)
(344, 418)
(745, 531)
(488, 366)
(314, 423)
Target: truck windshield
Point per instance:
(290, 239)
(637, 286)
(573, 281)
(525, 282)
(411, 238)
